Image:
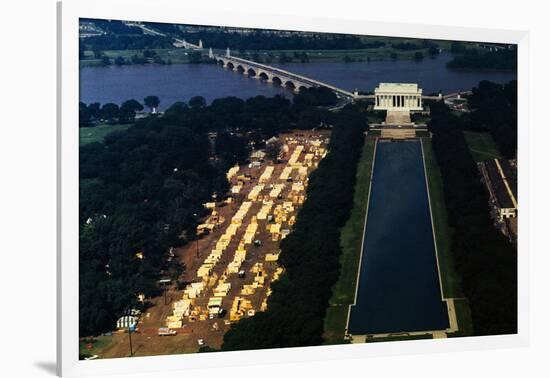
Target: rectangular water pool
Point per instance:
(398, 288)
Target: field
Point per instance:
(351, 239)
(482, 145)
(98, 133)
(174, 55)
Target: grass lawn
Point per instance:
(463, 318)
(98, 133)
(482, 146)
(443, 232)
(351, 236)
(399, 338)
(97, 345)
(335, 324)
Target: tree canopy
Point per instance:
(141, 190)
(485, 259)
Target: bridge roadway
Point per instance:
(285, 77)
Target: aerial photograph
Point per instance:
(245, 189)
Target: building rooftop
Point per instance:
(405, 88)
(506, 198)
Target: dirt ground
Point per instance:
(145, 341)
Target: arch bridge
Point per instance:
(276, 75)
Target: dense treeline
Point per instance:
(113, 26)
(310, 254)
(118, 36)
(259, 40)
(503, 59)
(125, 42)
(142, 189)
(484, 258)
(138, 191)
(90, 115)
(495, 109)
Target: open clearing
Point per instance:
(482, 145)
(99, 132)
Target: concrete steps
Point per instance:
(398, 133)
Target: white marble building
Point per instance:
(398, 96)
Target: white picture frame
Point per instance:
(69, 13)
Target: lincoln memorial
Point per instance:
(398, 96)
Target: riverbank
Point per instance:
(182, 56)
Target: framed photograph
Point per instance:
(237, 190)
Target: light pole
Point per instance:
(130, 338)
(197, 235)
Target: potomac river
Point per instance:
(180, 82)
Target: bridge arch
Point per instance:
(251, 71)
(277, 80)
(262, 75)
(230, 65)
(291, 85)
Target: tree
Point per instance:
(128, 110)
(95, 110)
(149, 53)
(197, 102)
(84, 115)
(272, 150)
(133, 105)
(120, 61)
(195, 57)
(418, 56)
(152, 102)
(110, 112)
(433, 51)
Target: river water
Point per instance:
(180, 82)
(399, 283)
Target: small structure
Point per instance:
(127, 322)
(501, 180)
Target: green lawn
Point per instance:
(97, 343)
(174, 55)
(98, 133)
(463, 318)
(443, 232)
(399, 338)
(351, 239)
(482, 145)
